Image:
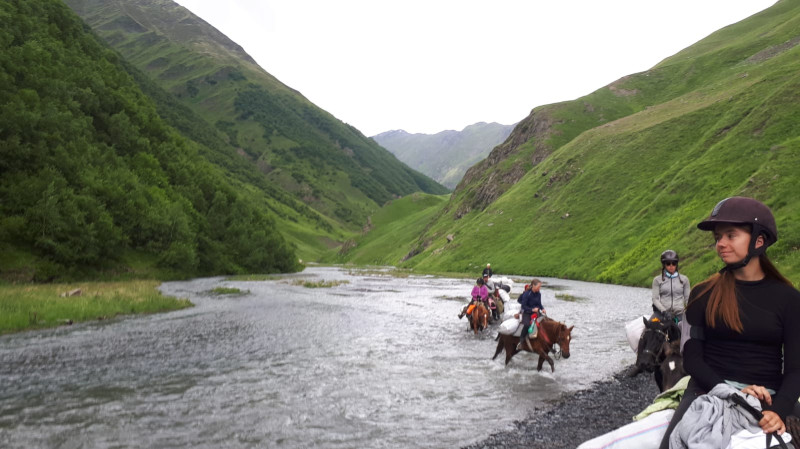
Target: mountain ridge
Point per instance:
(326, 164)
(446, 155)
(596, 188)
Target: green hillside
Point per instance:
(401, 220)
(298, 147)
(597, 187)
(92, 179)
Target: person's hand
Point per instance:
(771, 422)
(516, 315)
(759, 392)
(536, 309)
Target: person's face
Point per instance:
(671, 266)
(535, 287)
(733, 242)
(485, 279)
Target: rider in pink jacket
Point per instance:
(479, 293)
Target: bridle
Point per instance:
(647, 350)
(555, 347)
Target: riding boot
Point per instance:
(523, 341)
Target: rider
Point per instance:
(479, 293)
(490, 289)
(744, 322)
(488, 270)
(531, 302)
(670, 289)
(499, 304)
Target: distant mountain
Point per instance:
(445, 156)
(305, 151)
(596, 188)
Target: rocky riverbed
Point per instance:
(578, 416)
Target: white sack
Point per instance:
(643, 434)
(508, 327)
(633, 330)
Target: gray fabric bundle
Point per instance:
(712, 419)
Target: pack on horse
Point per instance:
(657, 342)
(553, 337)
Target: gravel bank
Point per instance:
(578, 416)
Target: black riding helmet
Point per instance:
(669, 256)
(480, 281)
(739, 210)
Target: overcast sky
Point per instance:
(425, 66)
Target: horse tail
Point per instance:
(498, 337)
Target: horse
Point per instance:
(670, 371)
(654, 341)
(551, 333)
(479, 318)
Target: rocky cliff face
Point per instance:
(485, 181)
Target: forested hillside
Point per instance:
(446, 155)
(302, 149)
(92, 180)
(598, 187)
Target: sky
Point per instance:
(426, 66)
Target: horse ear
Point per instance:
(570, 328)
(646, 321)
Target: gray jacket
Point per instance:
(671, 294)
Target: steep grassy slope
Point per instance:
(596, 188)
(94, 181)
(401, 220)
(302, 149)
(445, 156)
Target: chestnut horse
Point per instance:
(479, 318)
(551, 332)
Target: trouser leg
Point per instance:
(526, 324)
(691, 393)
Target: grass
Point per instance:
(26, 307)
(318, 284)
(569, 298)
(228, 291)
(254, 277)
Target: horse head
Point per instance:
(650, 352)
(480, 318)
(558, 334)
(671, 368)
(563, 338)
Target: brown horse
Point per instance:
(671, 368)
(551, 332)
(479, 318)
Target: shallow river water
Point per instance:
(375, 362)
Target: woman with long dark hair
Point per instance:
(744, 322)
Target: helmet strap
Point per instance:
(752, 251)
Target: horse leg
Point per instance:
(659, 378)
(499, 348)
(511, 349)
(542, 358)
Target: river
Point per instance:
(378, 361)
